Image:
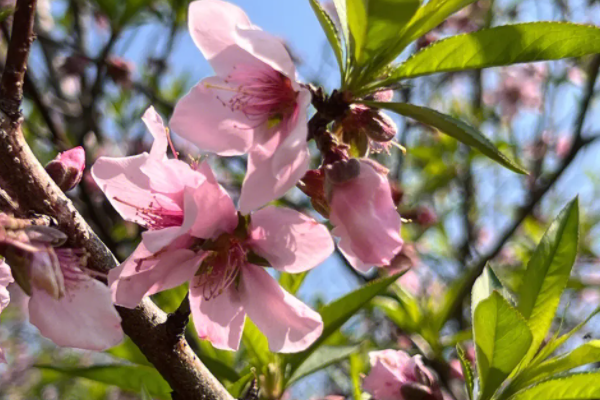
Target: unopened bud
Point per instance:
(67, 168)
(342, 171)
(313, 185)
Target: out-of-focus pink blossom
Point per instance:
(563, 145)
(576, 75)
(363, 213)
(395, 375)
(520, 87)
(253, 105)
(5, 279)
(67, 168)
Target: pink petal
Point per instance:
(124, 184)
(267, 48)
(216, 211)
(277, 161)
(385, 378)
(84, 318)
(155, 125)
(289, 325)
(365, 217)
(203, 117)
(212, 25)
(169, 270)
(2, 357)
(5, 279)
(170, 177)
(219, 320)
(289, 240)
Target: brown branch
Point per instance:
(26, 181)
(11, 86)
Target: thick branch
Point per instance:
(26, 181)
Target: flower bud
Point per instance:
(342, 171)
(67, 168)
(364, 124)
(313, 185)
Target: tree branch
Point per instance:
(26, 181)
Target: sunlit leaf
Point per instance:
(582, 386)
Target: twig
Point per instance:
(11, 86)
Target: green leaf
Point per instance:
(219, 369)
(547, 273)
(127, 350)
(555, 342)
(331, 32)
(322, 358)
(145, 394)
(357, 367)
(257, 344)
(336, 313)
(424, 20)
(374, 24)
(485, 285)
(237, 388)
(127, 377)
(467, 371)
(581, 386)
(292, 282)
(502, 45)
(452, 127)
(585, 354)
(502, 338)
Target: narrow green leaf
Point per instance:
(452, 127)
(555, 342)
(145, 394)
(331, 32)
(219, 369)
(357, 14)
(581, 386)
(502, 45)
(322, 358)
(127, 350)
(467, 371)
(127, 377)
(502, 338)
(585, 354)
(338, 312)
(547, 273)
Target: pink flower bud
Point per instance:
(368, 125)
(67, 168)
(397, 376)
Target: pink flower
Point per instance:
(363, 213)
(5, 279)
(253, 105)
(151, 190)
(67, 168)
(225, 282)
(395, 375)
(69, 306)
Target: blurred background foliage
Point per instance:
(98, 64)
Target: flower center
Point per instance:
(227, 255)
(155, 216)
(261, 94)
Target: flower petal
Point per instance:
(261, 185)
(289, 325)
(267, 48)
(5, 279)
(212, 25)
(84, 318)
(139, 279)
(155, 125)
(203, 117)
(124, 184)
(289, 240)
(220, 319)
(214, 207)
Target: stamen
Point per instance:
(175, 153)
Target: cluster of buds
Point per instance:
(395, 375)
